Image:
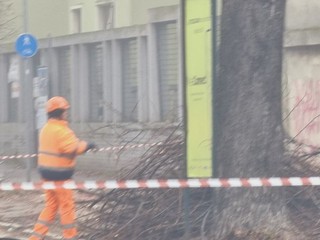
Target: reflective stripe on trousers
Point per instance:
(57, 200)
(69, 231)
(40, 230)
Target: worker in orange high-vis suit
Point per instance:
(58, 147)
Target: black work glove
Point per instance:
(92, 146)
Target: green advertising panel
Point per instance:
(198, 74)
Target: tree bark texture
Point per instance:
(248, 125)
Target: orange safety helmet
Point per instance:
(57, 103)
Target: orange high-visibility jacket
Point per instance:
(58, 147)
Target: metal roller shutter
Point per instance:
(64, 72)
(96, 82)
(14, 87)
(129, 80)
(167, 45)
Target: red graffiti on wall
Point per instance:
(306, 113)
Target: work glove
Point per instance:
(92, 146)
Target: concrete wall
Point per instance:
(51, 18)
(123, 13)
(301, 75)
(302, 80)
(126, 12)
(44, 18)
(88, 12)
(47, 18)
(302, 15)
(12, 139)
(139, 7)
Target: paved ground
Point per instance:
(19, 209)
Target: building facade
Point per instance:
(47, 18)
(125, 73)
(119, 62)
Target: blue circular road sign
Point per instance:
(26, 45)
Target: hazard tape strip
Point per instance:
(105, 149)
(169, 183)
(18, 156)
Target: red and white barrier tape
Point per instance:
(105, 149)
(169, 183)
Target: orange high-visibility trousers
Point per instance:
(57, 200)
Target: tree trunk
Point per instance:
(249, 139)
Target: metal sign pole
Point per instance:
(26, 73)
(30, 128)
(28, 100)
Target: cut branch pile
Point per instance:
(148, 213)
(161, 213)
(304, 202)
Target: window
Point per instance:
(105, 16)
(76, 20)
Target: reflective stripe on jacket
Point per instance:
(58, 147)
